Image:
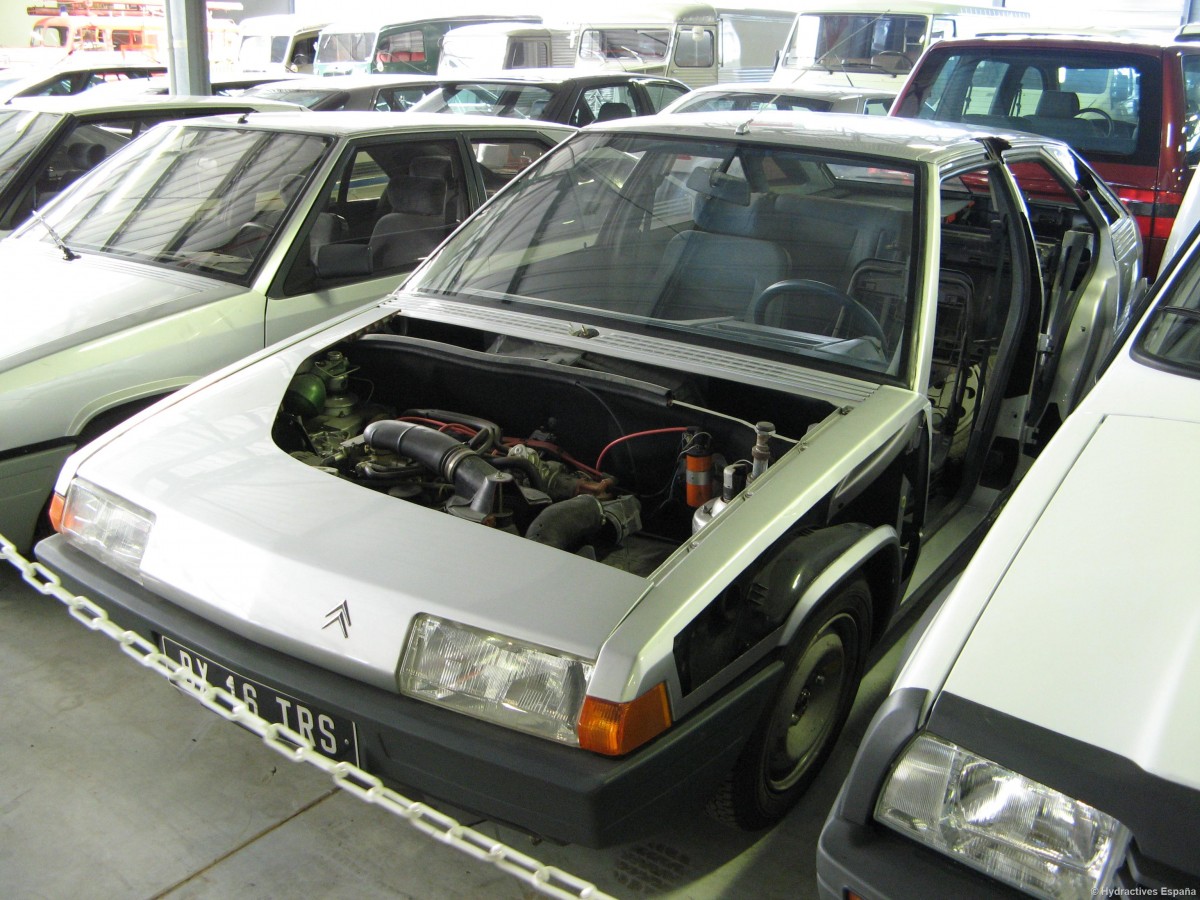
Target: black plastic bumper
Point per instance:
(559, 792)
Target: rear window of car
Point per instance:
(1107, 104)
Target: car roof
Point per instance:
(1153, 41)
(917, 141)
(561, 75)
(82, 105)
(352, 123)
(814, 91)
(343, 82)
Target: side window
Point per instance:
(695, 48)
(528, 53)
(502, 159)
(662, 94)
(394, 201)
(604, 103)
(877, 107)
(400, 51)
(1191, 124)
(397, 99)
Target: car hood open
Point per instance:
(51, 303)
(1093, 631)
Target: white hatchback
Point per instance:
(205, 240)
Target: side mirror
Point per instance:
(343, 261)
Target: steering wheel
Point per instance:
(859, 317)
(1106, 121)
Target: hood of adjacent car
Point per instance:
(1094, 630)
(50, 303)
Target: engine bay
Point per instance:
(616, 461)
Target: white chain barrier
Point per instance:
(545, 879)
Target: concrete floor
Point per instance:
(114, 785)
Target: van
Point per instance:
(493, 46)
(392, 43)
(278, 44)
(868, 44)
(1130, 107)
(697, 43)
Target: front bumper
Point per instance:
(558, 792)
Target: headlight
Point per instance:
(492, 677)
(999, 822)
(103, 525)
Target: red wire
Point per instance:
(636, 434)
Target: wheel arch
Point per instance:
(835, 555)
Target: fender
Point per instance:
(816, 562)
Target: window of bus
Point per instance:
(645, 45)
(396, 52)
(695, 47)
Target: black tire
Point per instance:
(798, 730)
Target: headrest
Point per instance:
(416, 195)
(1058, 104)
(613, 110)
(430, 167)
(84, 155)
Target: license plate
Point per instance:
(330, 735)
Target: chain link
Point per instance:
(545, 879)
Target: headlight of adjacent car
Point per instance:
(104, 526)
(999, 822)
(495, 678)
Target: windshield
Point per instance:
(263, 48)
(711, 241)
(522, 101)
(21, 133)
(206, 200)
(1171, 337)
(844, 42)
(347, 46)
(643, 45)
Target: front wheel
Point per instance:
(797, 732)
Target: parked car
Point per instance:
(554, 95)
(1131, 107)
(48, 142)
(203, 241)
(757, 95)
(73, 77)
(600, 514)
(395, 93)
(1042, 736)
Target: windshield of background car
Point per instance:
(863, 42)
(642, 45)
(205, 200)
(524, 101)
(1106, 104)
(347, 46)
(21, 132)
(767, 250)
(1170, 338)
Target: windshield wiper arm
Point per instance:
(68, 254)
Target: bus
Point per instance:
(867, 44)
(133, 32)
(391, 44)
(494, 46)
(696, 43)
(279, 43)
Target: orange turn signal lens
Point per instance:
(617, 728)
(58, 503)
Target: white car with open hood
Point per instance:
(1042, 737)
(600, 514)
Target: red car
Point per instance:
(1131, 108)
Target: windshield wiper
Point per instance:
(68, 254)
